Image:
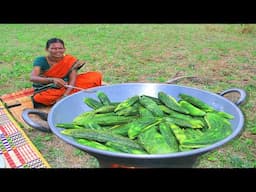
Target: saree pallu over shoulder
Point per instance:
(61, 68)
(78, 65)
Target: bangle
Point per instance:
(51, 80)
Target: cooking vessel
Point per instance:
(68, 108)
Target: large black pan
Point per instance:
(67, 109)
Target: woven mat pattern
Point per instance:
(16, 102)
(15, 146)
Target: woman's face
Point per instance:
(56, 50)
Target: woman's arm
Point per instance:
(72, 81)
(36, 78)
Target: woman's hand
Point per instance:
(59, 82)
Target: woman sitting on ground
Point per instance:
(51, 73)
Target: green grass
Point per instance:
(222, 53)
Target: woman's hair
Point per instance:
(54, 40)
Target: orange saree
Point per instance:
(61, 70)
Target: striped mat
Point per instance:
(16, 148)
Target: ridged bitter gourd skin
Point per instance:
(151, 105)
(144, 112)
(196, 102)
(124, 149)
(105, 109)
(140, 125)
(192, 110)
(101, 136)
(92, 103)
(218, 129)
(127, 103)
(154, 99)
(186, 118)
(149, 125)
(103, 98)
(169, 136)
(171, 102)
(129, 111)
(194, 123)
(95, 144)
(154, 142)
(68, 126)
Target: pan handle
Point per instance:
(240, 91)
(33, 124)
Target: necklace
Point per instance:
(52, 61)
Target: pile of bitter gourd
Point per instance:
(144, 124)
